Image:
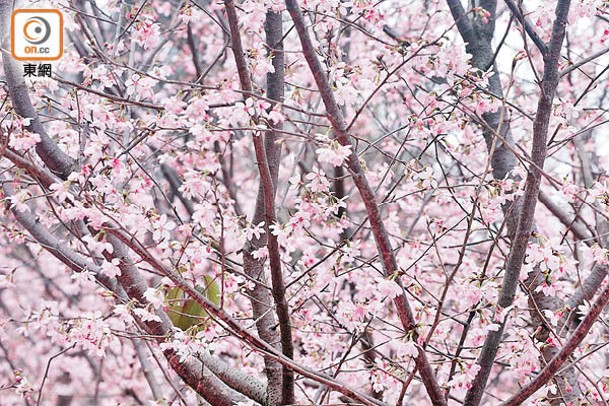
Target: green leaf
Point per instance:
(184, 312)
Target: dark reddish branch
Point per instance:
(587, 290)
(62, 165)
(242, 70)
(234, 326)
(381, 237)
(478, 36)
(529, 200)
(131, 286)
(205, 383)
(42, 175)
(268, 181)
(565, 352)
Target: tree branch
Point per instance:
(529, 201)
(233, 325)
(268, 185)
(43, 176)
(203, 381)
(381, 237)
(147, 369)
(587, 290)
(590, 286)
(579, 231)
(52, 244)
(464, 25)
(565, 352)
(134, 288)
(57, 160)
(584, 61)
(524, 22)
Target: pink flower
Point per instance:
(254, 231)
(24, 140)
(19, 200)
(319, 182)
(407, 349)
(145, 315)
(261, 253)
(83, 278)
(426, 178)
(155, 297)
(140, 86)
(387, 288)
(97, 247)
(248, 107)
(465, 378)
(111, 268)
(334, 154)
(147, 34)
(60, 190)
(162, 228)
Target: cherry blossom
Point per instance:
(162, 227)
(24, 140)
(255, 231)
(344, 201)
(334, 154)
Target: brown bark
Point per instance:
(339, 126)
(267, 156)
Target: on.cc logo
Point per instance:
(37, 34)
(37, 30)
